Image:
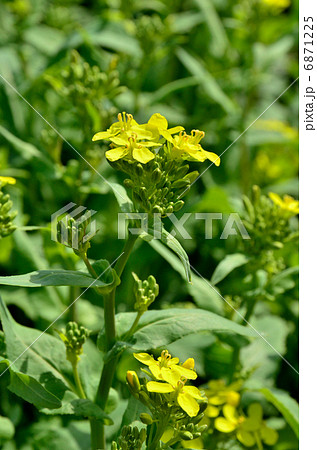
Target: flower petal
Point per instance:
(145, 358)
(156, 371)
(212, 411)
(246, 438)
(117, 153)
(189, 363)
(143, 155)
(188, 404)
(162, 388)
(193, 391)
(158, 121)
(175, 130)
(230, 413)
(269, 436)
(255, 411)
(224, 425)
(212, 157)
(187, 373)
(104, 135)
(7, 180)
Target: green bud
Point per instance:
(133, 381)
(146, 419)
(178, 205)
(156, 175)
(139, 169)
(181, 172)
(180, 184)
(128, 183)
(169, 209)
(186, 435)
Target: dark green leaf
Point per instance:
(227, 265)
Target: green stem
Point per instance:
(97, 427)
(134, 325)
(79, 386)
(91, 270)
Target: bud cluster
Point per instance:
(73, 233)
(159, 185)
(74, 338)
(6, 217)
(188, 428)
(130, 438)
(145, 292)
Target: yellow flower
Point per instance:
(186, 396)
(129, 140)
(158, 126)
(188, 147)
(287, 204)
(249, 430)
(165, 364)
(7, 180)
(276, 6)
(219, 394)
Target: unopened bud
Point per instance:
(133, 381)
(146, 419)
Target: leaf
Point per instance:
(54, 437)
(219, 39)
(174, 245)
(205, 296)
(29, 389)
(286, 405)
(227, 265)
(210, 85)
(160, 328)
(37, 354)
(124, 201)
(6, 428)
(83, 407)
(53, 277)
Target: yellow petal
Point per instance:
(189, 363)
(167, 136)
(276, 198)
(217, 400)
(197, 444)
(158, 121)
(120, 139)
(233, 398)
(251, 424)
(224, 425)
(255, 411)
(212, 411)
(8, 180)
(162, 388)
(269, 436)
(167, 435)
(116, 153)
(187, 373)
(188, 404)
(156, 371)
(103, 135)
(143, 155)
(170, 375)
(246, 438)
(144, 358)
(212, 157)
(175, 130)
(173, 361)
(230, 413)
(193, 391)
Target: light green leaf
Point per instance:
(210, 85)
(161, 328)
(227, 265)
(286, 405)
(174, 245)
(28, 388)
(205, 296)
(124, 201)
(53, 277)
(6, 428)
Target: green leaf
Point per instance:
(174, 245)
(6, 428)
(37, 354)
(124, 201)
(205, 296)
(286, 405)
(53, 277)
(227, 265)
(210, 85)
(72, 405)
(161, 328)
(28, 388)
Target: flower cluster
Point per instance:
(73, 233)
(6, 217)
(145, 292)
(267, 220)
(153, 156)
(174, 404)
(130, 438)
(74, 337)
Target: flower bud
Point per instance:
(186, 435)
(133, 381)
(146, 419)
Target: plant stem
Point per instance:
(91, 270)
(97, 427)
(79, 386)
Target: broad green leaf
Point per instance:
(118, 40)
(72, 405)
(286, 405)
(161, 328)
(53, 277)
(6, 428)
(205, 296)
(174, 245)
(37, 354)
(227, 265)
(53, 437)
(28, 388)
(210, 85)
